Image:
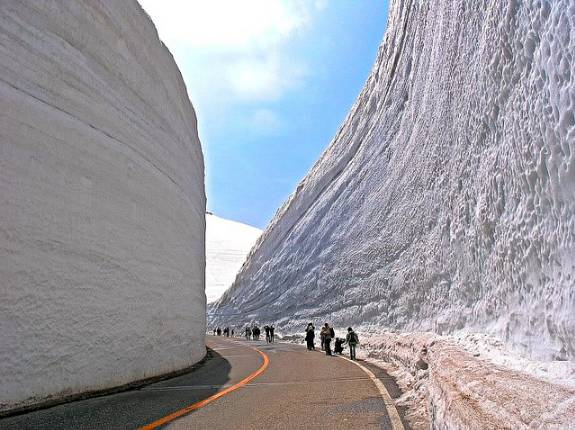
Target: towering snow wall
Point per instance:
(446, 199)
(101, 202)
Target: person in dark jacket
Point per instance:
(272, 333)
(310, 336)
(338, 345)
(219, 331)
(267, 330)
(352, 340)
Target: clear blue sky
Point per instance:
(271, 81)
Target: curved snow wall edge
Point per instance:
(102, 203)
(445, 201)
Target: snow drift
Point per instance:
(227, 245)
(101, 203)
(445, 202)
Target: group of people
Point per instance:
(249, 332)
(226, 332)
(254, 332)
(326, 335)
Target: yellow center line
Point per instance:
(202, 403)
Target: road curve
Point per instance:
(299, 390)
(296, 389)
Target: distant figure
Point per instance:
(310, 336)
(248, 333)
(272, 335)
(328, 335)
(215, 331)
(338, 345)
(256, 332)
(219, 331)
(352, 340)
(232, 332)
(227, 332)
(322, 338)
(267, 330)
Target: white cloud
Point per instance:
(228, 24)
(236, 47)
(264, 79)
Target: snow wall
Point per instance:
(445, 202)
(227, 245)
(101, 202)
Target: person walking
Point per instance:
(309, 337)
(267, 330)
(352, 340)
(272, 333)
(322, 333)
(232, 332)
(248, 333)
(329, 334)
(219, 331)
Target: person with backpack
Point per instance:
(328, 334)
(309, 337)
(352, 340)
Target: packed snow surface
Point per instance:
(445, 202)
(227, 245)
(102, 205)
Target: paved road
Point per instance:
(298, 390)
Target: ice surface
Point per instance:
(101, 202)
(227, 245)
(445, 202)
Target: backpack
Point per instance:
(331, 332)
(354, 337)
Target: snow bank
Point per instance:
(448, 386)
(446, 199)
(227, 245)
(101, 202)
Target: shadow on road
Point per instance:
(134, 408)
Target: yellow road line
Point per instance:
(396, 423)
(202, 403)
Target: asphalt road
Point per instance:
(298, 390)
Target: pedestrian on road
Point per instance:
(267, 330)
(352, 340)
(248, 333)
(256, 332)
(219, 331)
(215, 331)
(272, 335)
(322, 334)
(309, 337)
(329, 334)
(338, 345)
(232, 332)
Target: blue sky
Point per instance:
(271, 81)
